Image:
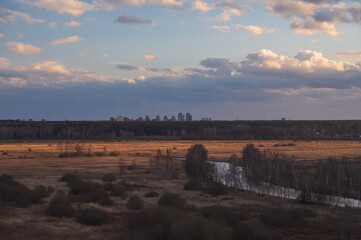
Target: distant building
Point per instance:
(125, 119)
(180, 117)
(165, 118)
(188, 117)
(43, 120)
(283, 119)
(120, 119)
(147, 118)
(206, 119)
(172, 118)
(30, 120)
(112, 119)
(157, 118)
(140, 119)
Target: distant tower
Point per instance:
(157, 118)
(120, 119)
(180, 117)
(188, 117)
(165, 118)
(172, 118)
(147, 118)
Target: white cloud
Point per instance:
(254, 29)
(4, 62)
(149, 57)
(51, 67)
(73, 7)
(224, 29)
(8, 15)
(110, 5)
(66, 40)
(52, 24)
(201, 6)
(353, 54)
(228, 13)
(72, 24)
(2, 35)
(19, 47)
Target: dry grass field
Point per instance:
(34, 163)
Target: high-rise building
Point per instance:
(172, 118)
(165, 118)
(119, 119)
(147, 118)
(188, 117)
(157, 118)
(180, 117)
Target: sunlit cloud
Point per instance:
(72, 24)
(23, 48)
(255, 30)
(7, 15)
(356, 54)
(72, 7)
(66, 40)
(148, 57)
(224, 29)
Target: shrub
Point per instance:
(119, 191)
(13, 191)
(220, 214)
(299, 214)
(114, 153)
(97, 196)
(93, 216)
(193, 185)
(83, 187)
(151, 194)
(60, 206)
(291, 144)
(347, 227)
(109, 177)
(69, 177)
(276, 218)
(5, 153)
(42, 191)
(243, 232)
(108, 186)
(6, 177)
(131, 167)
(196, 163)
(171, 200)
(135, 203)
(217, 189)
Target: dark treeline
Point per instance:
(197, 130)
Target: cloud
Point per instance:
(66, 40)
(4, 62)
(72, 7)
(254, 29)
(110, 5)
(2, 35)
(52, 24)
(23, 48)
(148, 57)
(224, 29)
(228, 13)
(7, 15)
(201, 6)
(72, 24)
(126, 67)
(132, 19)
(355, 54)
(311, 16)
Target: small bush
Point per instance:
(42, 191)
(93, 216)
(217, 189)
(291, 144)
(299, 214)
(109, 177)
(5, 153)
(135, 203)
(151, 194)
(193, 185)
(119, 191)
(277, 145)
(114, 153)
(108, 186)
(13, 191)
(220, 214)
(69, 177)
(97, 196)
(6, 177)
(83, 187)
(171, 200)
(60, 206)
(243, 232)
(276, 218)
(131, 167)
(260, 145)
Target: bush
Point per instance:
(299, 214)
(217, 189)
(83, 187)
(171, 200)
(193, 185)
(243, 232)
(93, 216)
(119, 191)
(13, 191)
(5, 153)
(108, 186)
(60, 206)
(135, 203)
(131, 167)
(42, 191)
(109, 177)
(220, 214)
(151, 194)
(196, 163)
(114, 153)
(97, 196)
(69, 177)
(347, 227)
(276, 218)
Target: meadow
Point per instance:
(38, 163)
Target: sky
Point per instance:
(225, 60)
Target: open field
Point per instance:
(34, 163)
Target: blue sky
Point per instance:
(226, 59)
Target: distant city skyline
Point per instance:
(222, 59)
